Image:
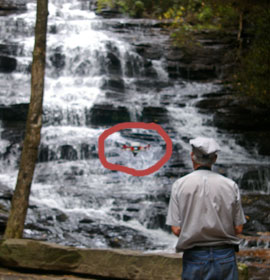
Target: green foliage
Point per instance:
(188, 17)
(253, 77)
(137, 8)
(105, 3)
(206, 14)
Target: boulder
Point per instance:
(101, 263)
(121, 264)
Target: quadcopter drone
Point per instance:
(135, 147)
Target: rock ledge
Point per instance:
(121, 264)
(103, 264)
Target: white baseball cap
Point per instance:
(205, 145)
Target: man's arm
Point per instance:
(238, 229)
(176, 230)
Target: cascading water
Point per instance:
(94, 80)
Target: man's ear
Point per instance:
(215, 159)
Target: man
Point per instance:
(205, 213)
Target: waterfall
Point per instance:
(96, 78)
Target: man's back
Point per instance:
(208, 209)
(205, 213)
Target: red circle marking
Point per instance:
(128, 170)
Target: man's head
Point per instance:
(204, 151)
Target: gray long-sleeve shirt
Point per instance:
(207, 207)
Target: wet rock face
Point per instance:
(14, 112)
(109, 13)
(255, 179)
(112, 61)
(238, 115)
(107, 114)
(254, 204)
(5, 200)
(155, 114)
(67, 152)
(57, 59)
(114, 84)
(207, 62)
(7, 64)
(115, 236)
(150, 50)
(9, 49)
(50, 224)
(13, 119)
(12, 6)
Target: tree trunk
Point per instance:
(20, 200)
(239, 35)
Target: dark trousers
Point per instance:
(210, 264)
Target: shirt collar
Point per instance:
(203, 168)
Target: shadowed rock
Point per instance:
(11, 6)
(7, 64)
(155, 114)
(15, 112)
(107, 114)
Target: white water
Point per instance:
(83, 187)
